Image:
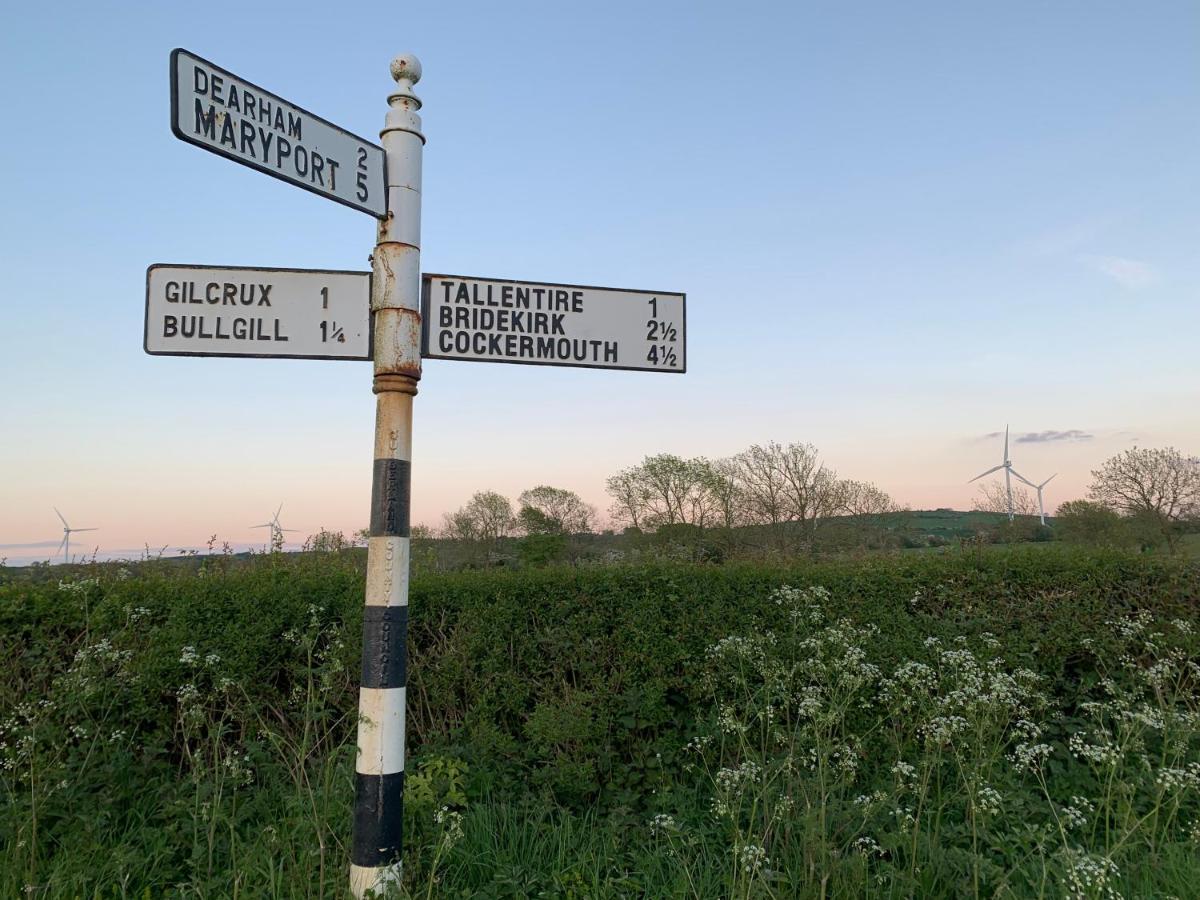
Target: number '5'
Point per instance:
(362, 175)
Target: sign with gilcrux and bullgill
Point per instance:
(228, 311)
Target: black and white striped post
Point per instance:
(395, 304)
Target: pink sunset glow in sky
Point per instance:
(897, 234)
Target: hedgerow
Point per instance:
(164, 726)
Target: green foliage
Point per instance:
(541, 548)
(189, 729)
(439, 781)
(1088, 522)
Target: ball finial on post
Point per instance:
(406, 67)
(406, 70)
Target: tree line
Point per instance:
(777, 497)
(771, 484)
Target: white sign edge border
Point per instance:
(146, 318)
(187, 139)
(426, 303)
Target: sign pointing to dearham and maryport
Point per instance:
(538, 323)
(281, 313)
(216, 110)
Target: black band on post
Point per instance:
(390, 498)
(376, 835)
(385, 630)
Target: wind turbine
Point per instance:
(1009, 471)
(65, 546)
(277, 530)
(1038, 488)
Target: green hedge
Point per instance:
(566, 680)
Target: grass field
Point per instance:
(1000, 723)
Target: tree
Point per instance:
(626, 490)
(486, 517)
(551, 510)
(780, 484)
(760, 473)
(325, 541)
(663, 490)
(1088, 522)
(811, 491)
(862, 498)
(724, 485)
(1152, 485)
(994, 499)
(459, 526)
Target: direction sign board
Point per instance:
(539, 323)
(216, 110)
(282, 313)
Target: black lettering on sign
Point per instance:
(361, 183)
(171, 328)
(247, 135)
(206, 122)
(390, 498)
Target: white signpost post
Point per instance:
(284, 313)
(538, 323)
(388, 316)
(216, 110)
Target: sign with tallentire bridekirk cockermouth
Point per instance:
(540, 323)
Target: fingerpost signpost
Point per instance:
(329, 314)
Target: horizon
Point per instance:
(217, 546)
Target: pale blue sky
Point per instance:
(899, 227)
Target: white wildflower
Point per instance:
(663, 823)
(752, 858)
